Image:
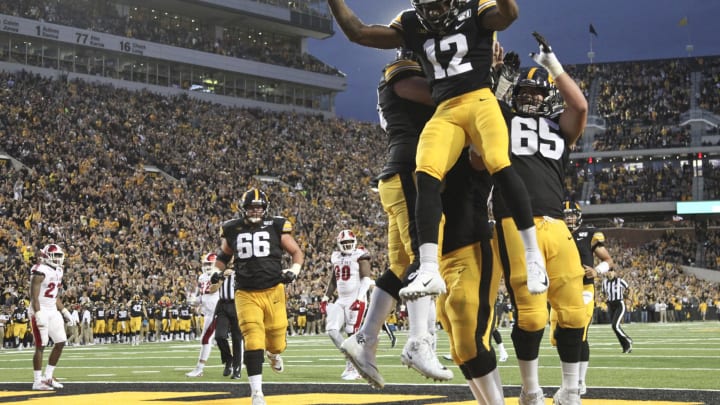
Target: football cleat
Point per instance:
(393, 341)
(42, 386)
(196, 372)
(503, 356)
(531, 398)
(276, 362)
(537, 278)
(427, 281)
(582, 388)
(258, 398)
(360, 351)
(419, 355)
(53, 382)
(565, 396)
(628, 349)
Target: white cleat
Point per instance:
(53, 382)
(503, 356)
(361, 353)
(537, 278)
(258, 398)
(196, 372)
(42, 386)
(531, 398)
(566, 397)
(276, 363)
(419, 355)
(427, 281)
(582, 388)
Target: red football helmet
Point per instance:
(52, 255)
(346, 241)
(208, 262)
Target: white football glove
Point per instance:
(68, 317)
(546, 58)
(41, 319)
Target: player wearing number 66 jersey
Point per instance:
(351, 279)
(541, 135)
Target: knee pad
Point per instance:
(482, 365)
(569, 344)
(254, 362)
(389, 283)
(526, 344)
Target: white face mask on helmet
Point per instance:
(208, 262)
(346, 241)
(52, 255)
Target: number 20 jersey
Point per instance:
(258, 253)
(458, 60)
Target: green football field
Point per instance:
(679, 355)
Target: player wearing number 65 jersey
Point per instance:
(541, 134)
(47, 314)
(454, 40)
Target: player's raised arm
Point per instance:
(375, 35)
(500, 17)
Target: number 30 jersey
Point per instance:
(539, 154)
(347, 271)
(258, 253)
(458, 60)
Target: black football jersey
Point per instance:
(257, 251)
(464, 201)
(587, 239)
(402, 119)
(458, 60)
(136, 309)
(539, 154)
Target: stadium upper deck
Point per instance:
(246, 53)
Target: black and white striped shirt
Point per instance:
(614, 289)
(227, 290)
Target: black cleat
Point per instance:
(228, 370)
(236, 373)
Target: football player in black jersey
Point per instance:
(541, 135)
(590, 244)
(404, 106)
(454, 40)
(256, 243)
(467, 310)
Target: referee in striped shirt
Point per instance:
(227, 324)
(615, 289)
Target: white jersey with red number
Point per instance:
(50, 287)
(208, 300)
(346, 268)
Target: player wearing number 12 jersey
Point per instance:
(453, 40)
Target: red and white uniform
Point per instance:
(47, 298)
(208, 301)
(346, 268)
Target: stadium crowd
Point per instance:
(127, 231)
(130, 231)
